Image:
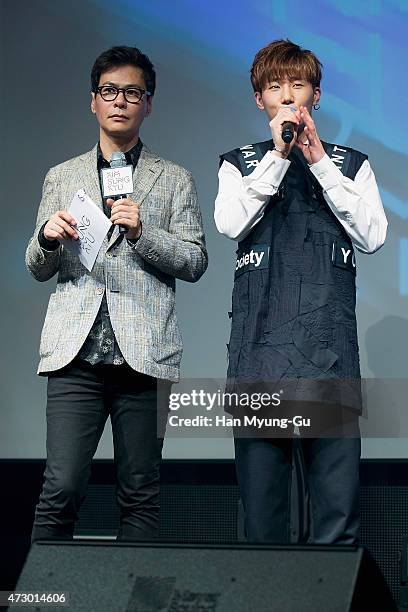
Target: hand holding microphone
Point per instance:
(126, 213)
(283, 127)
(117, 183)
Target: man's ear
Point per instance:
(93, 109)
(258, 100)
(316, 95)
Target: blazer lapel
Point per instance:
(146, 173)
(91, 178)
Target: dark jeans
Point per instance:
(264, 472)
(80, 398)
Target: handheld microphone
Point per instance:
(288, 131)
(117, 181)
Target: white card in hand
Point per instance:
(92, 227)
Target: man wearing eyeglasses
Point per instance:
(111, 333)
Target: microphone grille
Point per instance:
(117, 160)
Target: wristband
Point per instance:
(280, 151)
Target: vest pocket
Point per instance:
(312, 348)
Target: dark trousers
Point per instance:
(264, 472)
(80, 398)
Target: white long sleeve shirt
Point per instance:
(241, 200)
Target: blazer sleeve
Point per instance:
(180, 251)
(41, 263)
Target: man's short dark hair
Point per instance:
(284, 59)
(123, 56)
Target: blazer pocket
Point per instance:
(167, 344)
(52, 327)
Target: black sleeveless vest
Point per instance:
(293, 302)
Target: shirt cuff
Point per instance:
(47, 245)
(326, 173)
(268, 175)
(270, 160)
(133, 241)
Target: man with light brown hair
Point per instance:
(297, 206)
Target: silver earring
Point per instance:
(316, 106)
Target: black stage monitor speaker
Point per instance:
(127, 577)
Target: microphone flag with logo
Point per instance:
(117, 181)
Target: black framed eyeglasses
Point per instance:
(133, 95)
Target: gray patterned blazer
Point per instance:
(139, 280)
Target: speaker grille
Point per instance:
(99, 515)
(205, 513)
(384, 522)
(208, 513)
